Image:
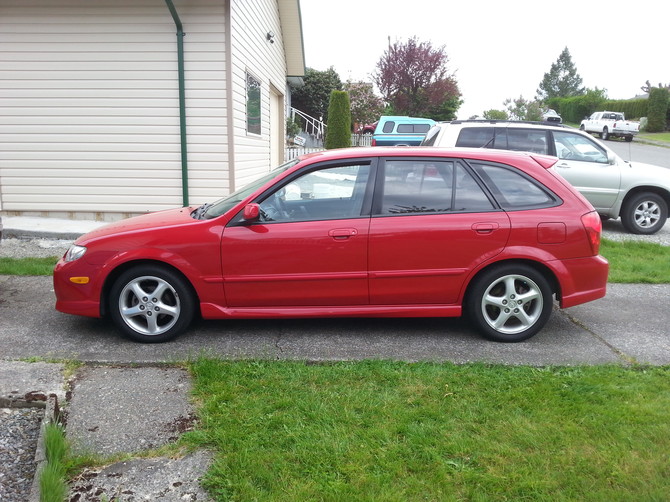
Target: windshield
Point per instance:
(222, 205)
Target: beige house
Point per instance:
(110, 108)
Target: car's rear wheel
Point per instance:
(605, 134)
(510, 303)
(629, 138)
(644, 213)
(151, 304)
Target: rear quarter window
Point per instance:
(515, 190)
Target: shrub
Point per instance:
(338, 134)
(658, 109)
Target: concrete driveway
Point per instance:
(629, 325)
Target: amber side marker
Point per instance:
(79, 280)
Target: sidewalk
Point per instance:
(25, 227)
(114, 410)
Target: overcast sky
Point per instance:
(496, 49)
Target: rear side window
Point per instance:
(424, 186)
(475, 137)
(514, 190)
(388, 127)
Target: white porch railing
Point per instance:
(292, 152)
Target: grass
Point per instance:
(53, 487)
(657, 136)
(392, 431)
(27, 266)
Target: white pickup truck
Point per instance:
(610, 124)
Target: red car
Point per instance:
(369, 232)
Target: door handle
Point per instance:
(485, 228)
(342, 233)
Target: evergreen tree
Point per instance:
(338, 134)
(562, 81)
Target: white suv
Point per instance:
(638, 193)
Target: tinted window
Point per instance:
(406, 128)
(422, 128)
(525, 140)
(388, 127)
(570, 146)
(421, 186)
(475, 137)
(324, 194)
(431, 137)
(512, 189)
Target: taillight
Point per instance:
(374, 142)
(594, 227)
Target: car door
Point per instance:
(432, 224)
(585, 165)
(309, 246)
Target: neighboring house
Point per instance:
(90, 116)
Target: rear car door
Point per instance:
(432, 224)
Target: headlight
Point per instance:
(74, 253)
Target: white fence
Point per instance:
(292, 152)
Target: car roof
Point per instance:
(512, 123)
(423, 151)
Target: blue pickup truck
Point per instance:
(400, 131)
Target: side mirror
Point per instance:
(252, 212)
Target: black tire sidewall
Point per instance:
(482, 283)
(628, 217)
(178, 283)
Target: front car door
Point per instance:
(309, 247)
(584, 164)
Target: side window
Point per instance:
(475, 137)
(527, 140)
(323, 194)
(421, 128)
(253, 105)
(388, 127)
(423, 186)
(512, 189)
(570, 146)
(405, 128)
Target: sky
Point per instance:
(496, 49)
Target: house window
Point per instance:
(253, 105)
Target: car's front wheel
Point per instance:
(151, 304)
(644, 213)
(510, 303)
(605, 135)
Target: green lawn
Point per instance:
(374, 430)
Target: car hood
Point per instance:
(159, 219)
(640, 173)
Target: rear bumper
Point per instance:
(586, 280)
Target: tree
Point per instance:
(313, 97)
(522, 109)
(496, 115)
(413, 79)
(338, 134)
(366, 107)
(562, 81)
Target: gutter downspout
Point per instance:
(182, 101)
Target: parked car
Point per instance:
(637, 193)
(361, 232)
(368, 128)
(401, 131)
(551, 116)
(610, 125)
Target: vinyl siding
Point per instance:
(89, 118)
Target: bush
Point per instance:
(658, 109)
(338, 134)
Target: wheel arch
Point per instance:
(541, 268)
(633, 192)
(121, 268)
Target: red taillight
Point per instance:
(374, 142)
(594, 227)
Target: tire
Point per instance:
(605, 135)
(510, 303)
(581, 127)
(151, 304)
(629, 138)
(645, 213)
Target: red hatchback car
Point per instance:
(370, 232)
